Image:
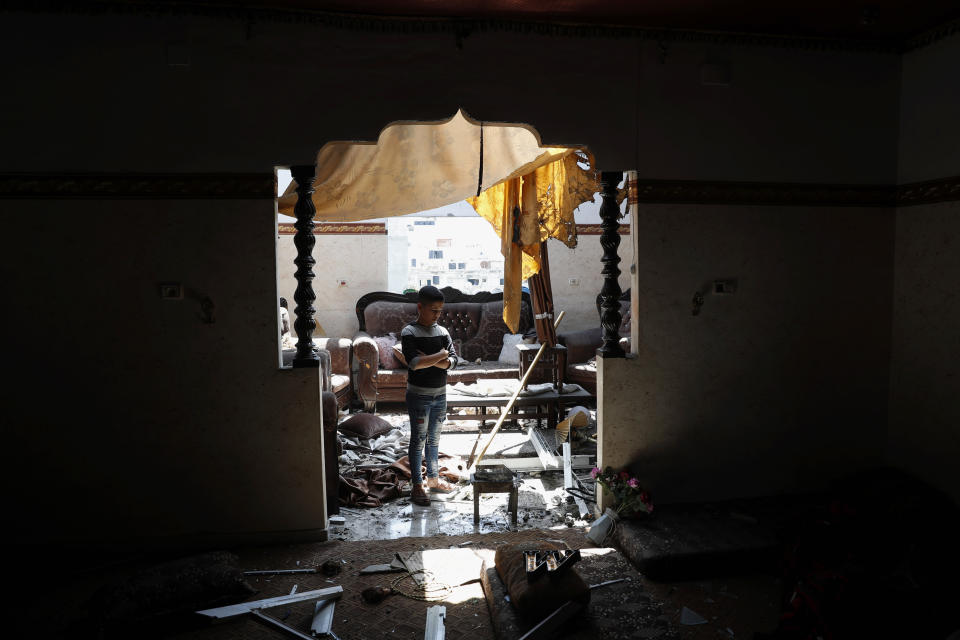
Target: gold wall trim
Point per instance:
(158, 186)
(330, 228)
(795, 194)
(942, 190)
(263, 185)
(596, 229)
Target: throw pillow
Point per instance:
(509, 353)
(364, 425)
(398, 355)
(385, 351)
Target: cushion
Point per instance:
(364, 425)
(538, 599)
(385, 351)
(339, 382)
(398, 356)
(509, 353)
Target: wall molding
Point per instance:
(929, 192)
(795, 194)
(339, 228)
(597, 229)
(243, 186)
(159, 186)
(461, 28)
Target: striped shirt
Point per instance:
(416, 339)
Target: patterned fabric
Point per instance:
(479, 327)
(415, 166)
(385, 351)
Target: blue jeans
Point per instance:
(427, 414)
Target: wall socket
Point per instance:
(574, 282)
(171, 291)
(724, 286)
(341, 282)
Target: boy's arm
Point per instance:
(431, 360)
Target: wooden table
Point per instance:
(550, 401)
(495, 478)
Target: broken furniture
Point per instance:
(694, 541)
(338, 371)
(551, 366)
(435, 629)
(581, 367)
(552, 563)
(619, 609)
(495, 479)
(475, 320)
(323, 615)
(548, 405)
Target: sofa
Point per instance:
(474, 321)
(582, 347)
(338, 374)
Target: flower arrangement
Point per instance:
(631, 497)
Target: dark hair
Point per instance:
(283, 302)
(429, 294)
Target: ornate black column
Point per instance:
(304, 210)
(610, 240)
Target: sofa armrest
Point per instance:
(341, 354)
(368, 361)
(581, 345)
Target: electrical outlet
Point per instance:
(341, 282)
(724, 286)
(574, 282)
(171, 291)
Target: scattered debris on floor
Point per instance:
(377, 486)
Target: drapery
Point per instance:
(526, 191)
(525, 212)
(417, 166)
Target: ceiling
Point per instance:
(891, 20)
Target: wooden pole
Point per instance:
(503, 414)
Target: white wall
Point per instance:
(146, 417)
(359, 259)
(929, 104)
(924, 377)
(780, 386)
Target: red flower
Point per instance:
(624, 475)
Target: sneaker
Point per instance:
(441, 486)
(418, 496)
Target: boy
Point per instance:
(429, 352)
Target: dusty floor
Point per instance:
(543, 503)
(733, 607)
(729, 608)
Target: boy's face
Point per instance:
(429, 312)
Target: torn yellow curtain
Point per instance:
(526, 212)
(416, 166)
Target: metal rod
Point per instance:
(278, 572)
(234, 610)
(503, 414)
(273, 622)
(603, 584)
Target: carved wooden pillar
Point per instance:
(304, 296)
(610, 240)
